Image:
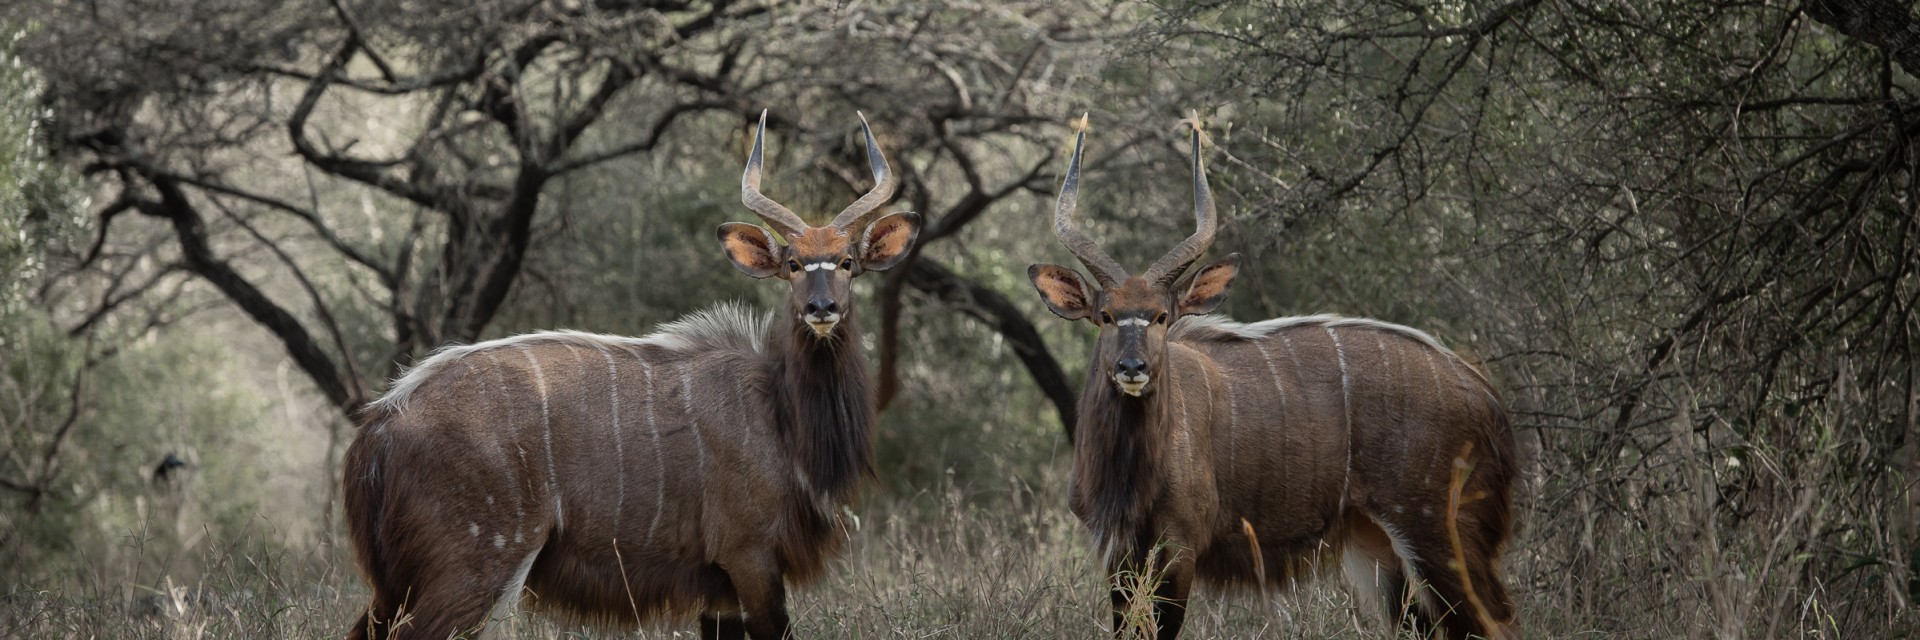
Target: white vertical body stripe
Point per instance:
(1186, 432)
(1433, 374)
(693, 417)
(1233, 424)
(741, 396)
(659, 459)
(1273, 373)
(1346, 404)
(513, 422)
(546, 426)
(619, 447)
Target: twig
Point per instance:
(622, 562)
(1460, 471)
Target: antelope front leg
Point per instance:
(763, 598)
(726, 626)
(1133, 608)
(1161, 615)
(1170, 609)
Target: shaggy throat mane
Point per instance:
(1117, 457)
(823, 408)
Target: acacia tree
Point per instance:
(254, 131)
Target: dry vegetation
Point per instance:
(932, 565)
(1682, 236)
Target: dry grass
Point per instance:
(938, 564)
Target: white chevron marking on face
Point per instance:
(1133, 321)
(821, 265)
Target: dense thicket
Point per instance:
(1681, 234)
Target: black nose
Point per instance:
(820, 306)
(1131, 367)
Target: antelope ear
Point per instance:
(751, 249)
(1202, 291)
(1062, 289)
(887, 240)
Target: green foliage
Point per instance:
(1679, 234)
(110, 508)
(134, 405)
(38, 200)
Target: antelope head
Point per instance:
(1133, 312)
(819, 263)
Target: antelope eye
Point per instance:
(1160, 319)
(846, 263)
(793, 265)
(1106, 318)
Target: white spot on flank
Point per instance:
(546, 426)
(659, 460)
(499, 541)
(473, 529)
(1346, 403)
(489, 500)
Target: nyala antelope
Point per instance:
(615, 480)
(1266, 450)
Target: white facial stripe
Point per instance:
(821, 265)
(1133, 321)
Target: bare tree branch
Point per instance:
(197, 256)
(1886, 24)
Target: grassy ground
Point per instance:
(938, 564)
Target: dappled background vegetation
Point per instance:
(1681, 235)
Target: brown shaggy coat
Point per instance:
(614, 479)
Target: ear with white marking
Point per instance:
(751, 249)
(887, 240)
(1202, 291)
(1063, 290)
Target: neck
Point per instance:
(1118, 456)
(823, 406)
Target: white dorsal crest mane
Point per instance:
(722, 326)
